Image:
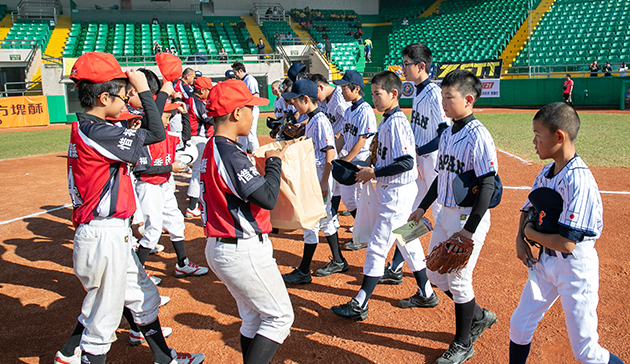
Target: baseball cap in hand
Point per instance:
(346, 172)
(350, 77)
(170, 106)
(96, 67)
(203, 82)
(294, 70)
(170, 66)
(229, 95)
(302, 88)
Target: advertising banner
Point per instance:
(21, 111)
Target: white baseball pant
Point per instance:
(113, 278)
(159, 210)
(193, 187)
(449, 221)
(426, 167)
(327, 225)
(576, 282)
(394, 209)
(250, 273)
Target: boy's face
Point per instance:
(348, 93)
(453, 102)
(302, 105)
(412, 70)
(204, 93)
(239, 74)
(134, 99)
(113, 103)
(546, 143)
(274, 90)
(321, 95)
(166, 118)
(383, 100)
(245, 120)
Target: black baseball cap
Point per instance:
(229, 74)
(294, 70)
(301, 88)
(350, 77)
(466, 187)
(346, 172)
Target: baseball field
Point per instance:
(40, 297)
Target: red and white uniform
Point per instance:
(201, 129)
(183, 88)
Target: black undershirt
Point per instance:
(266, 196)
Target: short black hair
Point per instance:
(419, 52)
(187, 72)
(220, 119)
(287, 84)
(238, 66)
(465, 81)
(312, 100)
(89, 91)
(318, 78)
(388, 81)
(559, 116)
(303, 74)
(152, 79)
(352, 86)
(568, 75)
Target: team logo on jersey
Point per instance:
(75, 195)
(72, 151)
(352, 129)
(420, 120)
(408, 89)
(450, 164)
(381, 151)
(540, 217)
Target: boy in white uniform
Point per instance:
(319, 130)
(568, 266)
(251, 140)
(465, 146)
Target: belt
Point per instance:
(231, 240)
(553, 253)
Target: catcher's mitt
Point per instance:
(293, 130)
(532, 216)
(444, 260)
(374, 149)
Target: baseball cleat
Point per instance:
(332, 267)
(478, 327)
(136, 338)
(155, 280)
(417, 300)
(350, 245)
(193, 213)
(164, 300)
(185, 358)
(74, 359)
(189, 269)
(391, 277)
(297, 277)
(351, 311)
(456, 354)
(158, 249)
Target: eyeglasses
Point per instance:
(405, 65)
(124, 98)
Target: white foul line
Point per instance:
(515, 156)
(35, 214)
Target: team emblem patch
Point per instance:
(540, 217)
(408, 89)
(475, 190)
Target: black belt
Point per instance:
(231, 240)
(552, 253)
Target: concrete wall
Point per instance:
(51, 81)
(135, 15)
(243, 7)
(137, 4)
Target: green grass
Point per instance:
(602, 140)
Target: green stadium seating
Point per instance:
(272, 28)
(25, 34)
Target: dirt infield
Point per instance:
(40, 297)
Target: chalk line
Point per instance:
(35, 214)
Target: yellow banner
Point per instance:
(23, 111)
(397, 70)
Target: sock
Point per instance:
(398, 260)
(334, 203)
(87, 358)
(478, 313)
(307, 257)
(192, 203)
(129, 317)
(353, 213)
(613, 358)
(245, 343)
(519, 353)
(73, 341)
(153, 334)
(261, 350)
(143, 254)
(367, 288)
(424, 286)
(464, 313)
(180, 250)
(449, 294)
(333, 243)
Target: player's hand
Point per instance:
(524, 253)
(178, 167)
(323, 185)
(138, 80)
(416, 215)
(276, 153)
(182, 109)
(177, 95)
(134, 123)
(167, 87)
(365, 174)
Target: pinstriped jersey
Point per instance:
(471, 148)
(319, 130)
(395, 139)
(279, 107)
(335, 109)
(427, 113)
(359, 119)
(582, 208)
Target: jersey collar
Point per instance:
(313, 113)
(81, 116)
(390, 113)
(356, 104)
(459, 124)
(421, 86)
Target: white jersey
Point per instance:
(427, 113)
(335, 109)
(252, 85)
(471, 148)
(359, 119)
(319, 130)
(582, 210)
(278, 107)
(395, 139)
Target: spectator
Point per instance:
(405, 22)
(281, 35)
(328, 48)
(319, 28)
(276, 13)
(567, 90)
(342, 17)
(156, 48)
(249, 40)
(594, 68)
(368, 50)
(320, 47)
(350, 33)
(357, 24)
(261, 49)
(325, 36)
(223, 56)
(438, 12)
(155, 20)
(623, 70)
(242, 24)
(326, 29)
(607, 70)
(173, 51)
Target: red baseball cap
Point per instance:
(229, 95)
(203, 82)
(170, 106)
(125, 115)
(96, 67)
(170, 66)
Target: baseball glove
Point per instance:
(532, 216)
(374, 149)
(444, 260)
(293, 130)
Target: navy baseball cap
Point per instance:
(198, 74)
(229, 74)
(294, 70)
(350, 77)
(301, 88)
(346, 172)
(548, 203)
(466, 186)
